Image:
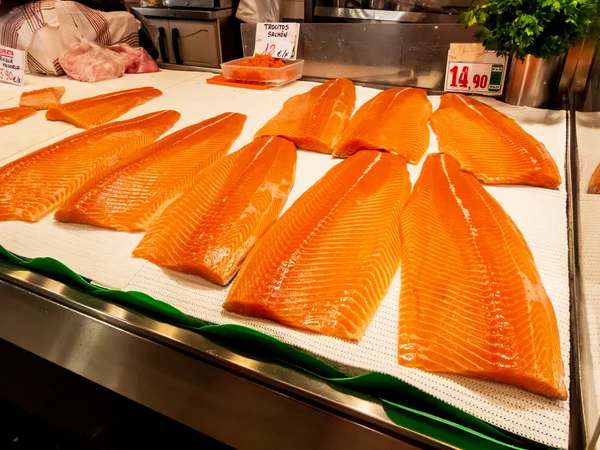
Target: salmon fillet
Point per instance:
(316, 119)
(36, 184)
(209, 230)
(93, 111)
(42, 98)
(490, 145)
(472, 301)
(13, 115)
(327, 263)
(130, 198)
(594, 185)
(395, 120)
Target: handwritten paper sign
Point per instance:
(12, 66)
(280, 40)
(471, 68)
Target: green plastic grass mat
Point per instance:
(405, 405)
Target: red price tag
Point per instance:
(474, 77)
(471, 68)
(11, 65)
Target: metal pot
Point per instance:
(533, 82)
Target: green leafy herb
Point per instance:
(541, 28)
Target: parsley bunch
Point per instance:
(542, 28)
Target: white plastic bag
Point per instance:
(258, 11)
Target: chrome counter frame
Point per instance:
(187, 377)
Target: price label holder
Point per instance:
(280, 40)
(471, 68)
(12, 66)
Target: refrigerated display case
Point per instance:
(243, 387)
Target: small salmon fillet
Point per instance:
(38, 183)
(394, 120)
(327, 263)
(93, 111)
(130, 198)
(316, 119)
(594, 185)
(210, 229)
(472, 301)
(42, 98)
(13, 115)
(490, 145)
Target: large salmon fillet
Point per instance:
(490, 145)
(394, 120)
(594, 185)
(327, 263)
(13, 115)
(209, 230)
(130, 198)
(316, 119)
(36, 184)
(472, 301)
(42, 98)
(93, 111)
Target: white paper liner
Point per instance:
(540, 214)
(588, 140)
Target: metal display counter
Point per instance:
(188, 377)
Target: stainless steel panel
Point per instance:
(383, 54)
(197, 3)
(196, 44)
(380, 14)
(187, 377)
(190, 14)
(577, 429)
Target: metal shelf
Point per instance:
(384, 16)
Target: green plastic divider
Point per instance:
(404, 404)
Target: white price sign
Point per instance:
(12, 66)
(280, 40)
(471, 68)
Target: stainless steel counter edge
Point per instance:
(385, 16)
(190, 14)
(181, 374)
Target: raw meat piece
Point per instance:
(209, 230)
(137, 60)
(395, 120)
(130, 198)
(472, 300)
(316, 119)
(92, 111)
(490, 145)
(327, 263)
(594, 185)
(36, 184)
(87, 61)
(42, 98)
(13, 115)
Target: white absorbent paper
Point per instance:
(104, 255)
(588, 136)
